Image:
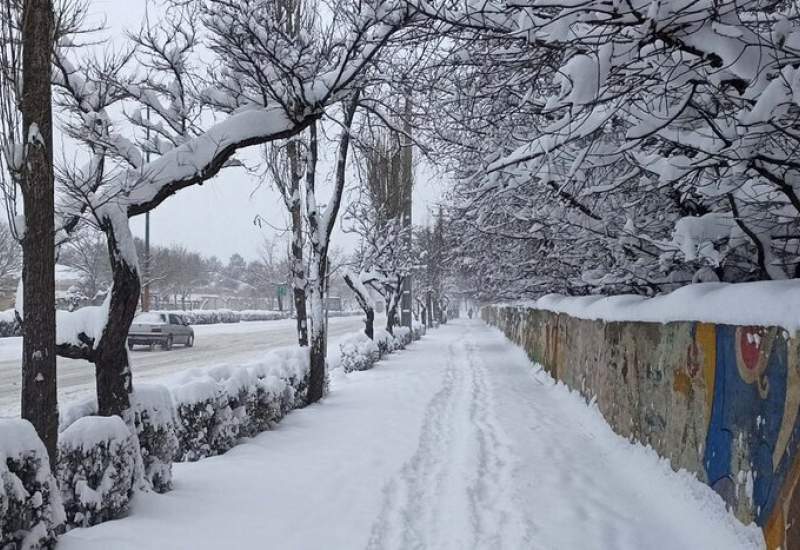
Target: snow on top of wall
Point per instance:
(763, 303)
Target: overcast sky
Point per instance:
(217, 218)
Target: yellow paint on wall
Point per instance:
(792, 404)
(705, 336)
(776, 528)
(681, 383)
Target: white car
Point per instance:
(153, 328)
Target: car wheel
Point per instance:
(190, 341)
(168, 344)
(130, 346)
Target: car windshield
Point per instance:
(149, 318)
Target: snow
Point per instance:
(239, 343)
(90, 431)
(89, 320)
(457, 442)
(18, 437)
(762, 303)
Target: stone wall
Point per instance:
(721, 401)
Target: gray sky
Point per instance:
(217, 217)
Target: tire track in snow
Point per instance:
(456, 491)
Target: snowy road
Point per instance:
(214, 344)
(456, 443)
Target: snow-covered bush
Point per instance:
(264, 405)
(403, 336)
(356, 353)
(97, 469)
(418, 330)
(31, 512)
(207, 425)
(385, 341)
(206, 316)
(9, 326)
(291, 366)
(154, 418)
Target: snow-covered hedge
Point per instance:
(262, 315)
(217, 406)
(98, 465)
(385, 341)
(216, 316)
(357, 353)
(206, 316)
(343, 313)
(31, 512)
(207, 426)
(156, 423)
(156, 428)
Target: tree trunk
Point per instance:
(429, 307)
(319, 337)
(390, 315)
(39, 396)
(112, 365)
(297, 266)
(320, 229)
(364, 302)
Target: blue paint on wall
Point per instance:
(739, 410)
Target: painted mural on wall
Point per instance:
(722, 401)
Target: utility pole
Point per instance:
(146, 290)
(407, 299)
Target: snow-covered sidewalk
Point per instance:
(454, 443)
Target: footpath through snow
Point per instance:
(455, 443)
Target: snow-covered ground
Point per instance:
(214, 345)
(454, 443)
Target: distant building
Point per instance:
(334, 303)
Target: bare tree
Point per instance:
(321, 222)
(119, 183)
(86, 252)
(378, 216)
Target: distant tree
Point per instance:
(10, 256)
(383, 261)
(235, 270)
(86, 253)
